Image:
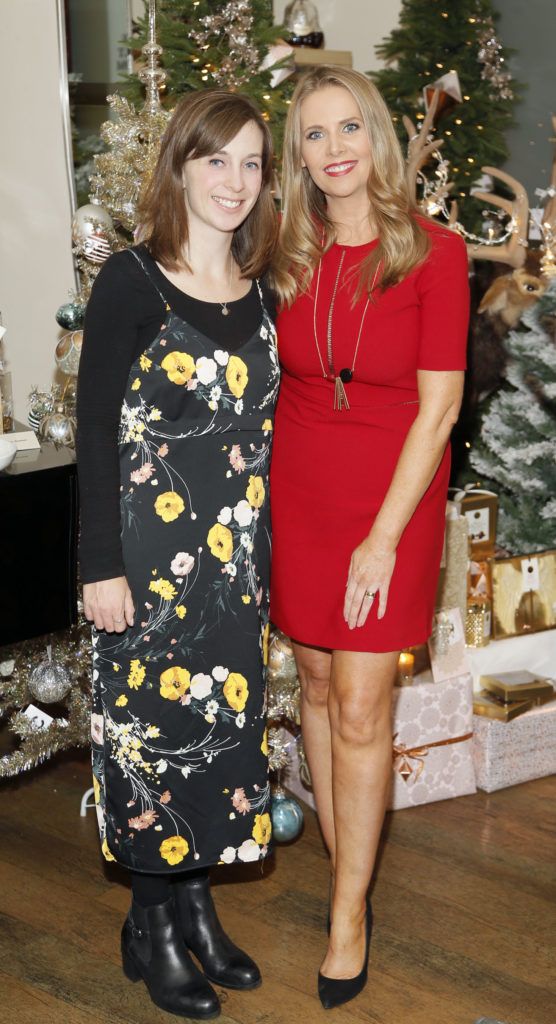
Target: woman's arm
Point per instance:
(109, 348)
(372, 563)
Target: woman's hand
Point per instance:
(109, 604)
(370, 572)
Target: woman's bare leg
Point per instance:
(313, 667)
(360, 714)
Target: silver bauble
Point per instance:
(49, 682)
(287, 817)
(90, 220)
(58, 427)
(68, 352)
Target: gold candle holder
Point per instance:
(406, 664)
(477, 624)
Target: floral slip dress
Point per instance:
(180, 759)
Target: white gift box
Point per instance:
(506, 753)
(433, 754)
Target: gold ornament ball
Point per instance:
(89, 220)
(68, 352)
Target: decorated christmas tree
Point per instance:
(434, 39)
(231, 45)
(516, 450)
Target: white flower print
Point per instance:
(263, 332)
(161, 767)
(249, 851)
(182, 564)
(206, 370)
(201, 686)
(211, 707)
(231, 569)
(228, 855)
(216, 393)
(243, 513)
(240, 720)
(220, 674)
(245, 540)
(97, 728)
(238, 407)
(221, 357)
(225, 515)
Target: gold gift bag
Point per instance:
(524, 594)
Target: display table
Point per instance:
(38, 544)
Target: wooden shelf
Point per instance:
(305, 55)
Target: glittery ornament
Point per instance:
(49, 682)
(58, 427)
(90, 220)
(41, 403)
(283, 684)
(68, 352)
(71, 316)
(287, 816)
(235, 22)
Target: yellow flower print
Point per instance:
(267, 425)
(262, 829)
(180, 611)
(121, 701)
(136, 384)
(152, 731)
(236, 376)
(235, 691)
(169, 506)
(174, 682)
(179, 366)
(155, 414)
(136, 674)
(145, 363)
(220, 542)
(174, 849)
(264, 744)
(106, 851)
(96, 789)
(115, 666)
(266, 635)
(255, 492)
(164, 588)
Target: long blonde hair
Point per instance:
(403, 242)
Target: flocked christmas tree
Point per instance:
(438, 37)
(516, 450)
(230, 44)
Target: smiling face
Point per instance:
(335, 147)
(222, 189)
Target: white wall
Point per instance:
(355, 25)
(36, 269)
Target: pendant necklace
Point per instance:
(225, 311)
(346, 374)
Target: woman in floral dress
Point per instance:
(177, 387)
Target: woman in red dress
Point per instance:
(372, 336)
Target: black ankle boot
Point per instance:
(153, 950)
(222, 961)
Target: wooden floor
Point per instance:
(464, 904)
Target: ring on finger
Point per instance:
(371, 594)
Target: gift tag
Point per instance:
(479, 524)
(530, 574)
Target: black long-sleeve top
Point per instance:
(124, 314)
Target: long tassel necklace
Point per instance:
(346, 374)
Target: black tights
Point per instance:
(149, 890)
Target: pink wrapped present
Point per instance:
(506, 753)
(433, 729)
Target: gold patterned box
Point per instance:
(524, 594)
(480, 508)
(512, 686)
(506, 753)
(432, 745)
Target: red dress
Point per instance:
(331, 469)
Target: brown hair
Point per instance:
(403, 242)
(201, 125)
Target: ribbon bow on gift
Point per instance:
(402, 755)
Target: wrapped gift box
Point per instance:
(452, 580)
(480, 508)
(432, 757)
(506, 753)
(524, 594)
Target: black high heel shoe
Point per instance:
(335, 991)
(153, 950)
(223, 962)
